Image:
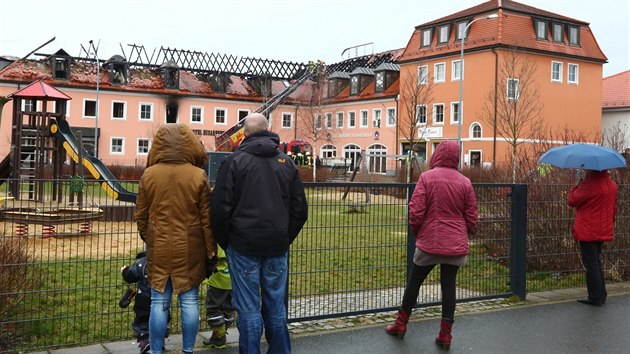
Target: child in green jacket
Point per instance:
(219, 309)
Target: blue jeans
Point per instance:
(160, 309)
(253, 277)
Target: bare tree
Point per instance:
(617, 137)
(416, 93)
(514, 109)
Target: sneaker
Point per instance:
(144, 346)
(215, 342)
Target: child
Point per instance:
(219, 310)
(136, 273)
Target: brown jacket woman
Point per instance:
(173, 210)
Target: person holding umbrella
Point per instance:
(595, 201)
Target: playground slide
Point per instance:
(5, 169)
(108, 182)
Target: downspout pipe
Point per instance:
(494, 118)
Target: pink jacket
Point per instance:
(596, 202)
(443, 207)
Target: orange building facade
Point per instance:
(363, 106)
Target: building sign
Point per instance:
(433, 132)
(353, 135)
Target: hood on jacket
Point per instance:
(446, 155)
(263, 143)
(176, 143)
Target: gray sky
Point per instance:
(290, 30)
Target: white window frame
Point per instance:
(423, 74)
(339, 120)
(443, 34)
(391, 116)
(328, 151)
(363, 118)
(426, 115)
(352, 123)
(381, 151)
(150, 105)
(225, 115)
(351, 149)
(111, 145)
(541, 30)
(124, 103)
(85, 100)
(556, 75)
(377, 118)
(514, 96)
(328, 120)
(576, 80)
(138, 146)
(461, 28)
(574, 35)
(472, 131)
(290, 117)
(318, 121)
(435, 115)
(452, 113)
(555, 32)
(54, 108)
(437, 75)
(426, 37)
(201, 111)
(454, 70)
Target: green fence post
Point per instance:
(518, 245)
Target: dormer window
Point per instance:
(557, 33)
(354, 85)
(117, 70)
(61, 68)
(379, 82)
(444, 34)
(170, 75)
(461, 28)
(359, 79)
(541, 29)
(219, 82)
(574, 35)
(337, 82)
(385, 75)
(426, 37)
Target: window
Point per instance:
(242, 113)
(391, 116)
(376, 158)
(328, 120)
(557, 33)
(440, 72)
(438, 113)
(475, 131)
(196, 114)
(461, 27)
(443, 34)
(423, 74)
(364, 119)
(318, 121)
(328, 151)
(220, 116)
(426, 38)
(29, 105)
(352, 119)
(119, 110)
(573, 75)
(117, 146)
(512, 89)
(456, 72)
(146, 111)
(574, 35)
(143, 146)
(287, 120)
(455, 112)
(89, 108)
(421, 114)
(65, 106)
(376, 118)
(556, 71)
(352, 153)
(541, 29)
(339, 119)
(354, 85)
(379, 81)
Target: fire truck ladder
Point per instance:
(234, 135)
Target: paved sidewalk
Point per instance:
(562, 325)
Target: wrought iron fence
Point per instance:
(60, 258)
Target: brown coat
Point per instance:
(173, 210)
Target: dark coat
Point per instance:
(173, 210)
(137, 273)
(258, 202)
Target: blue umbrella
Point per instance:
(584, 156)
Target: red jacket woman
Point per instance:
(595, 200)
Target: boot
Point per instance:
(444, 338)
(218, 339)
(399, 328)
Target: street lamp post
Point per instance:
(463, 35)
(98, 81)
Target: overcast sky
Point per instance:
(289, 30)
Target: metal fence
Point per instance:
(60, 259)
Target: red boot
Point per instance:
(444, 338)
(399, 328)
